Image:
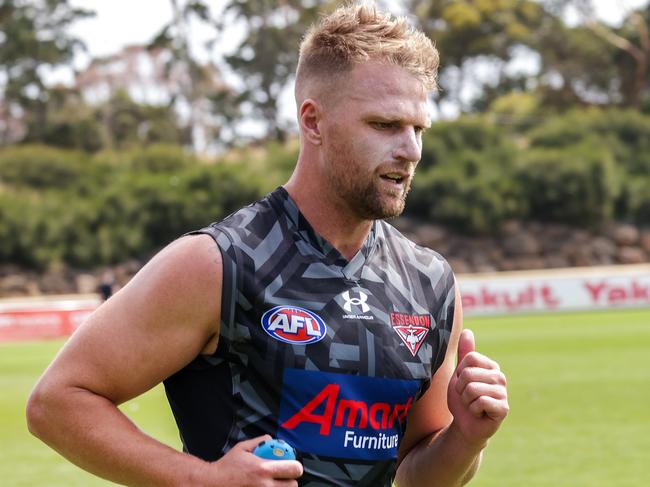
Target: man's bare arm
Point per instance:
(160, 321)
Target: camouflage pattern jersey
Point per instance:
(325, 353)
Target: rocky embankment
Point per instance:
(520, 246)
(524, 246)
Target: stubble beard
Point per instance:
(379, 205)
(363, 195)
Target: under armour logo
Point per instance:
(360, 301)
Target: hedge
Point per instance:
(64, 207)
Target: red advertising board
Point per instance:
(29, 319)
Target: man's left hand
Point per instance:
(477, 395)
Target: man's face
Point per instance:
(372, 139)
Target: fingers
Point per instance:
(250, 445)
(493, 408)
(477, 368)
(475, 359)
(466, 344)
(276, 469)
(484, 375)
(265, 473)
(477, 394)
(240, 467)
(283, 469)
(481, 386)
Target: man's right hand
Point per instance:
(241, 468)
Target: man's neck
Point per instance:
(343, 230)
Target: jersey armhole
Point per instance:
(230, 278)
(445, 319)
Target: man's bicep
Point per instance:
(151, 328)
(430, 413)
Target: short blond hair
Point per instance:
(357, 33)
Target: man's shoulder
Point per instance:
(252, 218)
(251, 212)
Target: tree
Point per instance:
(470, 30)
(585, 63)
(117, 123)
(69, 122)
(596, 61)
(132, 124)
(266, 59)
(33, 34)
(196, 84)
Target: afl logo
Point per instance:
(291, 324)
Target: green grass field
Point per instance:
(579, 393)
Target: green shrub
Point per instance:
(64, 207)
(215, 191)
(14, 212)
(465, 177)
(138, 213)
(57, 208)
(639, 200)
(158, 158)
(624, 133)
(38, 230)
(471, 133)
(40, 167)
(474, 192)
(519, 110)
(578, 184)
(564, 130)
(82, 134)
(264, 167)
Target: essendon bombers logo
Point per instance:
(343, 415)
(291, 324)
(412, 329)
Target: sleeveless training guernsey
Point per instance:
(325, 353)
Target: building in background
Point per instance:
(156, 77)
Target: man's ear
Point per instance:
(310, 118)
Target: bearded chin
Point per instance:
(372, 205)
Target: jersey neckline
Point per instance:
(284, 203)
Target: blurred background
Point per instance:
(124, 124)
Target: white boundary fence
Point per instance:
(571, 289)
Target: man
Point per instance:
(105, 288)
(303, 316)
